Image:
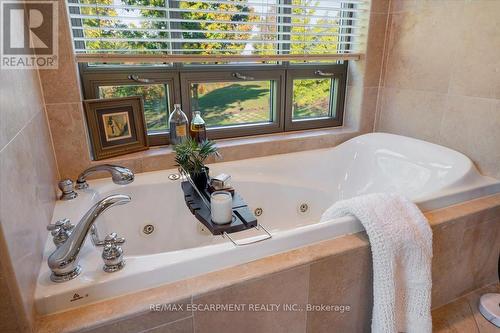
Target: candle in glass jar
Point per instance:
(221, 205)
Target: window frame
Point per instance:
(92, 78)
(178, 76)
(339, 75)
(223, 132)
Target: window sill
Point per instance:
(163, 157)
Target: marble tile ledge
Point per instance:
(136, 304)
(162, 157)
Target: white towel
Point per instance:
(401, 244)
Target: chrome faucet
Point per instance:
(63, 262)
(120, 175)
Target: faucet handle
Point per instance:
(60, 231)
(64, 223)
(113, 253)
(113, 239)
(66, 187)
(109, 239)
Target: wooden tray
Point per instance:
(243, 217)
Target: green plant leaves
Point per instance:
(191, 155)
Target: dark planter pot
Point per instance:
(200, 179)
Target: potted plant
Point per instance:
(191, 155)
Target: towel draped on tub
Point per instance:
(401, 244)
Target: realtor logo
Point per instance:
(28, 34)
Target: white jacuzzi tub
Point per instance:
(431, 175)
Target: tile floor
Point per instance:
(462, 315)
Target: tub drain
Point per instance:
(148, 229)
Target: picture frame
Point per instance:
(116, 126)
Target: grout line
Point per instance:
(308, 283)
(192, 311)
(489, 99)
(48, 126)
(164, 324)
(382, 69)
(473, 316)
(464, 295)
(455, 62)
(63, 103)
(21, 130)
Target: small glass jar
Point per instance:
(221, 206)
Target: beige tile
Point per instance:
(476, 70)
(113, 310)
(385, 60)
(411, 113)
(258, 146)
(465, 257)
(424, 4)
(398, 6)
(148, 320)
(181, 326)
(483, 209)
(483, 325)
(473, 78)
(70, 140)
(353, 107)
(375, 49)
(454, 317)
(158, 163)
(67, 126)
(62, 85)
(415, 61)
(277, 263)
(470, 125)
(342, 280)
(480, 250)
(462, 315)
(131, 305)
(450, 279)
(20, 101)
(282, 288)
(28, 178)
(8, 315)
(361, 105)
(380, 6)
(366, 71)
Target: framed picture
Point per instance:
(116, 126)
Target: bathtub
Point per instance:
(291, 190)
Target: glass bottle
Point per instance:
(198, 129)
(178, 122)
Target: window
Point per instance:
(229, 103)
(235, 103)
(155, 97)
(250, 66)
(316, 97)
(159, 92)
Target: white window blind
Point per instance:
(181, 30)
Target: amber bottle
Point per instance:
(198, 128)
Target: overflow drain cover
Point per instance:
(148, 229)
(258, 211)
(303, 208)
(174, 176)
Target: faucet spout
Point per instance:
(120, 175)
(64, 260)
